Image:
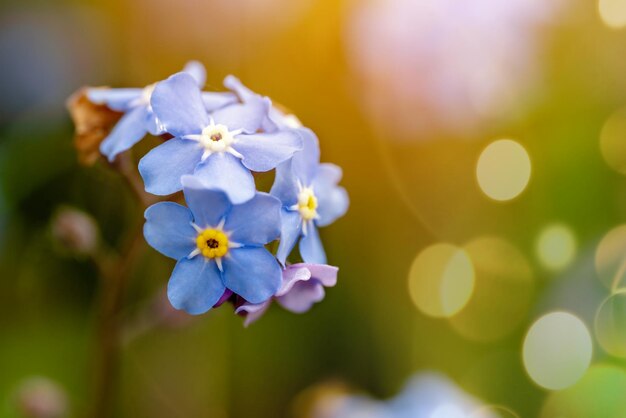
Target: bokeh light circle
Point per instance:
(557, 350)
(441, 280)
(599, 394)
(613, 13)
(612, 144)
(503, 170)
(610, 324)
(503, 288)
(610, 259)
(556, 247)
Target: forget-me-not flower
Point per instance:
(311, 199)
(139, 119)
(220, 148)
(219, 246)
(303, 285)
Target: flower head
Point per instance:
(311, 199)
(220, 148)
(139, 119)
(302, 286)
(219, 246)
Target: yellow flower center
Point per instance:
(212, 243)
(307, 204)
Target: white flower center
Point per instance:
(217, 138)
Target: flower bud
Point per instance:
(75, 231)
(39, 397)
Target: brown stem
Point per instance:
(114, 272)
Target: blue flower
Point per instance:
(219, 246)
(311, 198)
(139, 119)
(220, 148)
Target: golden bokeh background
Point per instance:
(453, 247)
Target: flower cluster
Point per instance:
(214, 143)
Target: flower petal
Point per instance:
(178, 105)
(263, 152)
(197, 71)
(291, 275)
(207, 206)
(311, 248)
(213, 101)
(115, 99)
(285, 185)
(326, 274)
(306, 162)
(332, 204)
(162, 168)
(253, 311)
(290, 231)
(223, 171)
(302, 272)
(327, 174)
(302, 296)
(130, 129)
(252, 273)
(255, 222)
(247, 116)
(195, 285)
(232, 83)
(332, 200)
(168, 229)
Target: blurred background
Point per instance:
(484, 150)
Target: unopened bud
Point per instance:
(75, 231)
(39, 397)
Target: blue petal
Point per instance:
(213, 101)
(152, 124)
(332, 204)
(178, 105)
(248, 116)
(116, 99)
(195, 285)
(285, 185)
(248, 96)
(223, 171)
(290, 231)
(162, 168)
(252, 273)
(130, 129)
(332, 200)
(306, 162)
(255, 222)
(208, 206)
(197, 71)
(311, 248)
(168, 229)
(263, 152)
(234, 84)
(327, 174)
